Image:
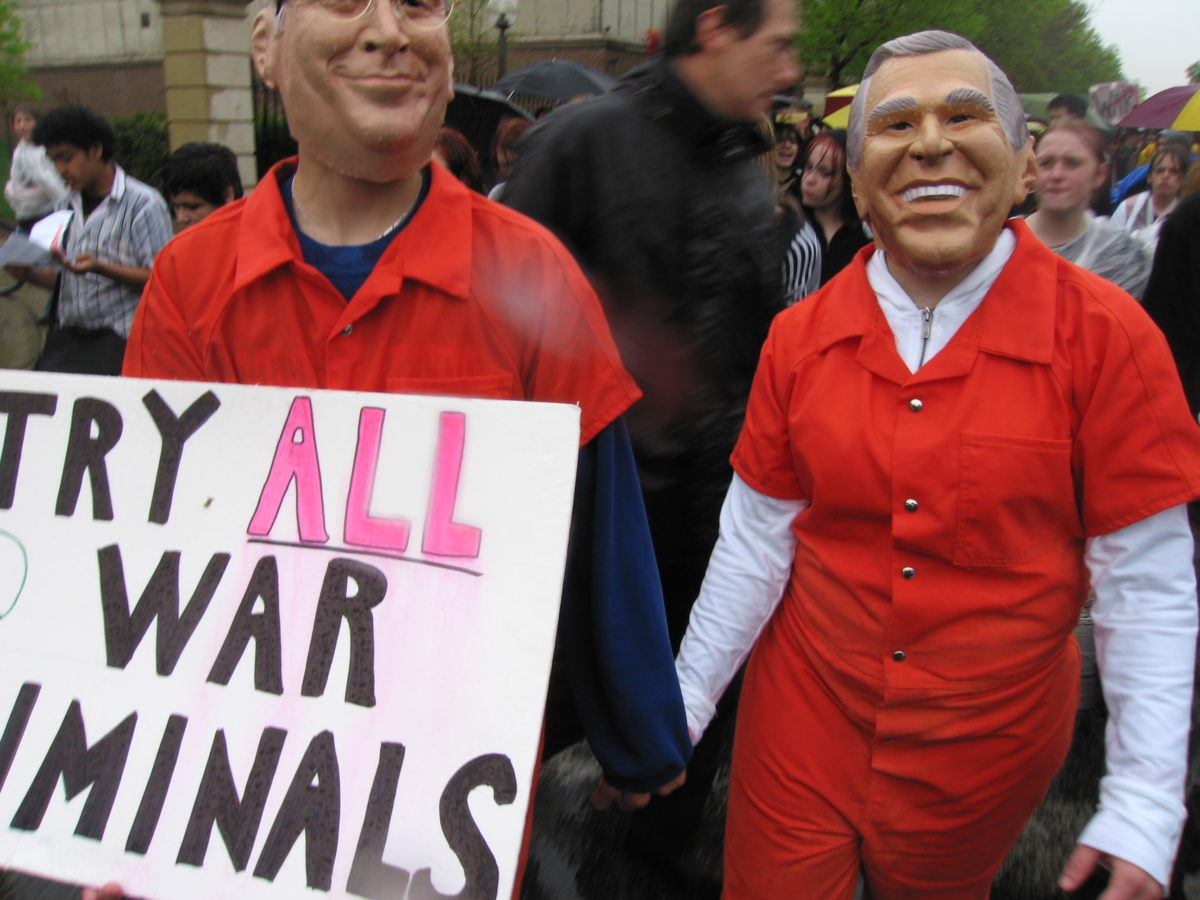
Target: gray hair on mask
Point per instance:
(1004, 98)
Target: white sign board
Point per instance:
(260, 642)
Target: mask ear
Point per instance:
(1026, 165)
(262, 38)
(860, 202)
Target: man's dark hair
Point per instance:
(1074, 105)
(679, 39)
(203, 169)
(78, 126)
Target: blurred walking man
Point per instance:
(656, 189)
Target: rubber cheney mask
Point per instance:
(365, 93)
(938, 153)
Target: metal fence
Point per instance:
(272, 140)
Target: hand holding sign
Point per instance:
(110, 891)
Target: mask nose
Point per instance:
(930, 141)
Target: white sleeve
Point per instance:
(1120, 215)
(746, 576)
(1145, 619)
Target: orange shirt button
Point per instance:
(911, 505)
(898, 656)
(908, 572)
(915, 405)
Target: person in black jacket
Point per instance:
(656, 189)
(1172, 296)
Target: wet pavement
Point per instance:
(580, 854)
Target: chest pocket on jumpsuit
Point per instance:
(1017, 499)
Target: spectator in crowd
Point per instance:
(943, 447)
(504, 151)
(1191, 180)
(359, 265)
(1066, 106)
(1142, 214)
(1073, 108)
(1149, 147)
(1125, 158)
(802, 247)
(785, 155)
(33, 188)
(117, 228)
(1071, 169)
(1173, 292)
(828, 203)
(656, 188)
(199, 179)
(455, 153)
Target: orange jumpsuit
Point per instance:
(913, 695)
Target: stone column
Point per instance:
(206, 70)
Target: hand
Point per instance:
(80, 265)
(20, 273)
(111, 891)
(604, 795)
(1126, 881)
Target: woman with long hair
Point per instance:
(828, 204)
(801, 247)
(1070, 169)
(1142, 214)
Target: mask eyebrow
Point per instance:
(965, 96)
(894, 105)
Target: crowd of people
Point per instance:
(857, 443)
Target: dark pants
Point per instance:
(81, 351)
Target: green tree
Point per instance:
(1043, 45)
(1047, 45)
(14, 77)
(142, 146)
(473, 42)
(837, 36)
(1193, 72)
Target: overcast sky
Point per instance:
(1158, 39)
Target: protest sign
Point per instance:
(1113, 101)
(264, 642)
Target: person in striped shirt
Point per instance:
(117, 228)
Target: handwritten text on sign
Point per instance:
(270, 641)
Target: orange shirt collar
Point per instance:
(433, 248)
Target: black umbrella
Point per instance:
(555, 79)
(477, 113)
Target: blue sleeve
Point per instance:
(613, 628)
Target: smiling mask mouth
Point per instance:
(933, 192)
